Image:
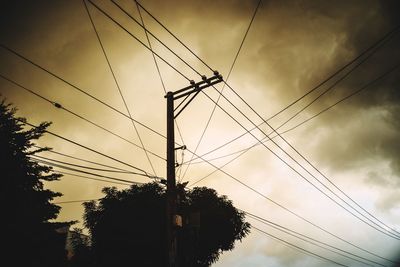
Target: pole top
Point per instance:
(169, 94)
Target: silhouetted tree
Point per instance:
(82, 255)
(28, 238)
(128, 227)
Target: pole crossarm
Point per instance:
(193, 88)
(206, 82)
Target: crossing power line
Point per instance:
(142, 172)
(51, 150)
(373, 224)
(203, 92)
(223, 87)
(118, 85)
(294, 246)
(265, 139)
(313, 241)
(79, 89)
(59, 106)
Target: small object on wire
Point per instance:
(57, 105)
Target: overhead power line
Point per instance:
(374, 225)
(80, 166)
(46, 162)
(155, 37)
(259, 193)
(79, 89)
(343, 99)
(353, 68)
(393, 233)
(384, 75)
(84, 92)
(371, 50)
(173, 35)
(51, 150)
(203, 92)
(157, 67)
(117, 85)
(223, 87)
(110, 179)
(355, 59)
(75, 201)
(313, 241)
(303, 250)
(93, 150)
(59, 106)
(137, 39)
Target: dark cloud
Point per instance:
(304, 41)
(291, 47)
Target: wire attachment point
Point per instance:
(57, 105)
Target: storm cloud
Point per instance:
(291, 47)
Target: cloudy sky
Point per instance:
(291, 47)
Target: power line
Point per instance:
(117, 85)
(384, 231)
(84, 172)
(58, 105)
(367, 50)
(96, 179)
(223, 87)
(303, 250)
(173, 35)
(343, 99)
(372, 52)
(310, 240)
(303, 122)
(151, 47)
(355, 59)
(292, 212)
(137, 39)
(338, 71)
(77, 158)
(302, 155)
(75, 201)
(372, 48)
(93, 150)
(157, 67)
(79, 89)
(155, 37)
(294, 169)
(84, 92)
(81, 166)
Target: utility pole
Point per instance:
(174, 220)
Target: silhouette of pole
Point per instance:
(171, 185)
(174, 220)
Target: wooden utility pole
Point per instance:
(171, 185)
(174, 220)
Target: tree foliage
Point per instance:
(82, 255)
(128, 227)
(30, 239)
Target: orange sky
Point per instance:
(291, 47)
